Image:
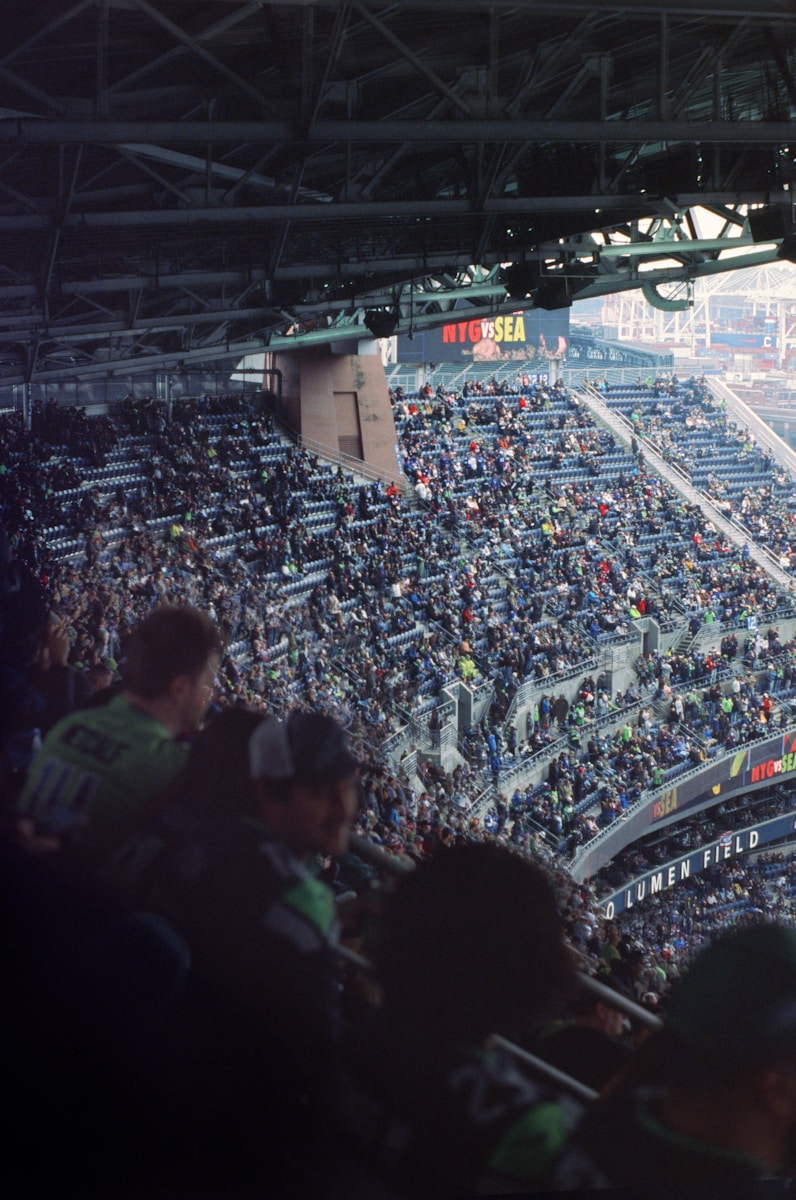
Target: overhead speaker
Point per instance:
(553, 293)
(787, 251)
(520, 279)
(767, 224)
(381, 322)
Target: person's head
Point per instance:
(100, 675)
(216, 776)
(591, 1010)
(737, 999)
(731, 1034)
(473, 944)
(306, 781)
(171, 659)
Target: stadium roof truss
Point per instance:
(185, 183)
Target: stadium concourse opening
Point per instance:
(549, 654)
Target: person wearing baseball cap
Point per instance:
(239, 879)
(305, 778)
(233, 861)
(712, 1098)
(228, 856)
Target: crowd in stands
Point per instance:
(337, 594)
(721, 458)
(532, 539)
(523, 472)
(674, 926)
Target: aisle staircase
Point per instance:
(623, 430)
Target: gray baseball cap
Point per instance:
(309, 747)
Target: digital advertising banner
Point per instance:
(534, 335)
(750, 767)
(757, 763)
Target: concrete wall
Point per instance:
(289, 365)
(339, 400)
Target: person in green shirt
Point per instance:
(98, 767)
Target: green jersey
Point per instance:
(95, 771)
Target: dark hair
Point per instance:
(216, 775)
(171, 641)
(663, 1061)
(584, 1002)
(473, 944)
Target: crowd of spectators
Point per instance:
(522, 472)
(676, 925)
(337, 594)
(721, 457)
(532, 538)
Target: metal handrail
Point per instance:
(570, 1084)
(681, 481)
(529, 686)
(580, 1090)
(553, 749)
(761, 430)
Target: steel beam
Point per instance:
(31, 131)
(764, 9)
(355, 332)
(413, 59)
(193, 163)
(163, 61)
(194, 45)
(645, 206)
